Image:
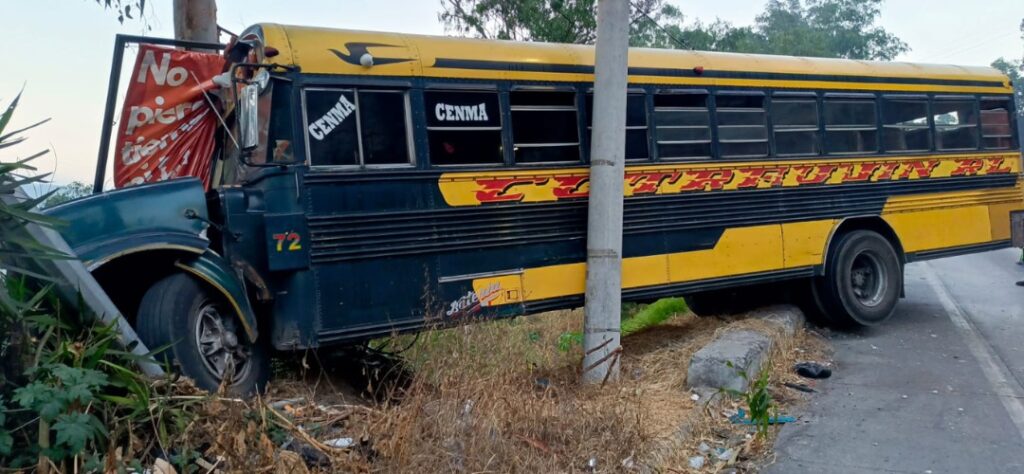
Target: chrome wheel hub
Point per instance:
(867, 279)
(216, 337)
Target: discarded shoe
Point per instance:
(812, 370)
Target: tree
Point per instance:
(1012, 68)
(556, 21)
(72, 191)
(124, 8)
(822, 28)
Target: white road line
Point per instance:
(1007, 389)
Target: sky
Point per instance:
(60, 50)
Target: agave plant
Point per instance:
(15, 213)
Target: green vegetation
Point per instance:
(636, 318)
(68, 192)
(67, 393)
(761, 407)
(820, 28)
(1014, 68)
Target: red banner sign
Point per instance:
(167, 126)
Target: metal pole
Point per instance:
(604, 217)
(120, 41)
(108, 114)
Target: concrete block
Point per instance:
(789, 317)
(746, 349)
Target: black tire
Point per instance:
(862, 282)
(180, 312)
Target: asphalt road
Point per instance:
(937, 389)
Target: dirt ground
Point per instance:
(502, 396)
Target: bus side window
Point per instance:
(995, 123)
(463, 127)
(742, 125)
(636, 124)
(956, 123)
(280, 131)
(347, 127)
(383, 128)
(544, 126)
(795, 125)
(682, 125)
(851, 124)
(331, 131)
(905, 124)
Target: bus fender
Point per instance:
(215, 271)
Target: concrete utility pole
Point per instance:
(604, 214)
(196, 20)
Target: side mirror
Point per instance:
(248, 117)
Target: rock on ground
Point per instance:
(789, 317)
(745, 349)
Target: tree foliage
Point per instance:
(1014, 68)
(69, 192)
(822, 28)
(129, 9)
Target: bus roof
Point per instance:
(339, 52)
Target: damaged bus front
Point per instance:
(181, 245)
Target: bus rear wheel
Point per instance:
(862, 281)
(201, 335)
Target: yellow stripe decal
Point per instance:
(526, 185)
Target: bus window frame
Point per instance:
(355, 88)
(874, 97)
(588, 123)
(709, 106)
(818, 129)
(930, 126)
(976, 102)
(470, 87)
(765, 109)
(1011, 120)
(581, 159)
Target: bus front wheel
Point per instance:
(862, 281)
(201, 336)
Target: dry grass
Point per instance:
(500, 397)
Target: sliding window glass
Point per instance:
(742, 125)
(544, 126)
(795, 124)
(995, 123)
(851, 125)
(905, 123)
(463, 127)
(347, 127)
(636, 124)
(956, 123)
(682, 125)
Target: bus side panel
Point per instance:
(999, 217)
(941, 228)
(804, 243)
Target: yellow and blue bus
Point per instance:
(396, 181)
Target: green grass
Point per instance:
(653, 314)
(647, 316)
